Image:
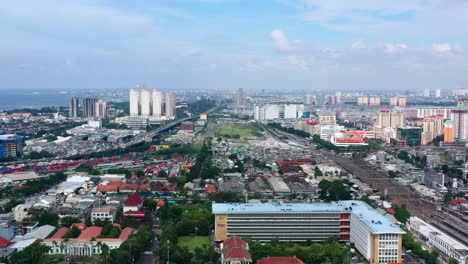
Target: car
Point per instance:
(148, 253)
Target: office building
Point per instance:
(278, 111)
(157, 103)
(240, 97)
(170, 105)
(10, 146)
(145, 103)
(101, 109)
(89, 106)
(74, 107)
(386, 118)
(410, 135)
(448, 131)
(373, 235)
(427, 93)
(438, 93)
(434, 126)
(134, 102)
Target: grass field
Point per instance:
(191, 242)
(238, 130)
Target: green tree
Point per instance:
(318, 172)
(46, 218)
(401, 213)
(74, 232)
(67, 221)
(34, 254)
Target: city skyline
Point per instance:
(307, 44)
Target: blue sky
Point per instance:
(224, 44)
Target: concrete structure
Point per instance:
(373, 235)
(448, 131)
(240, 97)
(398, 101)
(74, 112)
(412, 135)
(86, 244)
(362, 101)
(386, 118)
(170, 105)
(101, 109)
(157, 103)
(434, 125)
(327, 118)
(10, 145)
(134, 102)
(450, 247)
(89, 106)
(103, 213)
(459, 118)
(145, 103)
(374, 101)
(438, 93)
(427, 93)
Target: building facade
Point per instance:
(89, 106)
(134, 102)
(73, 112)
(101, 109)
(157, 103)
(376, 238)
(10, 145)
(411, 135)
(170, 105)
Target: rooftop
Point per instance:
(280, 260)
(376, 222)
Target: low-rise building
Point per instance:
(103, 213)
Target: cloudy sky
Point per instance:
(261, 44)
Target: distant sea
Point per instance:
(29, 98)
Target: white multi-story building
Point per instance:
(134, 102)
(427, 93)
(438, 239)
(438, 93)
(459, 118)
(101, 109)
(373, 235)
(102, 213)
(157, 103)
(170, 105)
(145, 102)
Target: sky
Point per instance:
(226, 44)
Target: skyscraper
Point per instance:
(74, 107)
(101, 109)
(10, 145)
(145, 102)
(448, 131)
(134, 102)
(170, 105)
(389, 119)
(459, 118)
(157, 103)
(89, 106)
(240, 97)
(438, 93)
(427, 92)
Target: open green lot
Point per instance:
(241, 130)
(191, 242)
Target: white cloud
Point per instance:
(446, 49)
(394, 48)
(283, 44)
(359, 44)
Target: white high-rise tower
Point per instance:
(145, 101)
(157, 103)
(134, 102)
(170, 105)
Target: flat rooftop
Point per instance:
(375, 221)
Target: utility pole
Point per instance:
(168, 251)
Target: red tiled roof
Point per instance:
(236, 253)
(280, 260)
(390, 211)
(108, 188)
(60, 233)
(210, 188)
(161, 203)
(4, 242)
(129, 186)
(233, 242)
(81, 226)
(126, 233)
(458, 201)
(133, 200)
(118, 183)
(90, 232)
(144, 187)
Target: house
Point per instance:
(133, 203)
(103, 213)
(280, 260)
(21, 211)
(235, 251)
